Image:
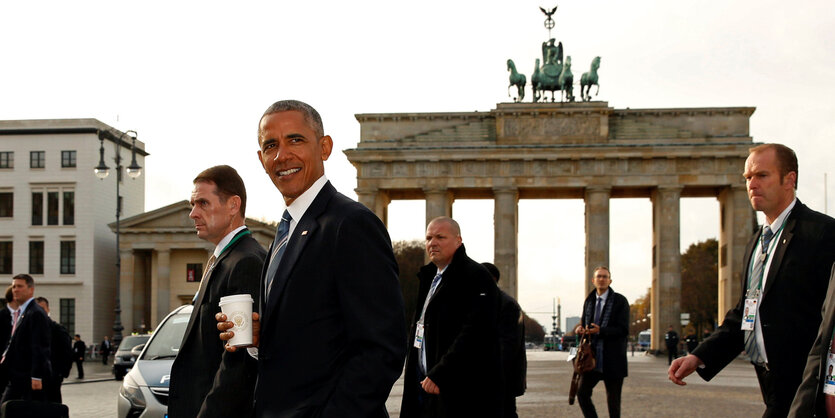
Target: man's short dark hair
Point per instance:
(494, 271)
(30, 282)
(227, 181)
(602, 268)
(41, 299)
(77, 336)
(786, 159)
(311, 116)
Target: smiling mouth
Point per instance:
(283, 173)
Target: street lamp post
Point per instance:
(102, 171)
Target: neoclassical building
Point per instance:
(163, 262)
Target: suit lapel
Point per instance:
(780, 249)
(306, 228)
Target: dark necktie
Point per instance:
(282, 235)
(598, 309)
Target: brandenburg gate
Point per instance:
(584, 150)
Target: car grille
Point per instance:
(161, 394)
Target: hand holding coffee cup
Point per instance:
(237, 310)
(225, 326)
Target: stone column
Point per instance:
(438, 203)
(666, 264)
(505, 247)
(163, 285)
(737, 222)
(126, 289)
(597, 231)
(375, 200)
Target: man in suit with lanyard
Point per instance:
(332, 328)
(207, 381)
(786, 266)
(27, 356)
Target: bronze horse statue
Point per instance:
(590, 79)
(517, 80)
(566, 81)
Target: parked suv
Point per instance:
(144, 392)
(126, 356)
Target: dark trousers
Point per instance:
(52, 389)
(672, 353)
(613, 390)
(104, 357)
(777, 402)
(509, 407)
(79, 365)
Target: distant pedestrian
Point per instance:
(691, 342)
(105, 349)
(78, 350)
(671, 338)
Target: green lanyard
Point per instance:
(235, 239)
(767, 253)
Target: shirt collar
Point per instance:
(604, 295)
(300, 205)
(778, 223)
(22, 307)
(225, 241)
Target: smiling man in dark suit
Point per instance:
(332, 330)
(786, 273)
(27, 356)
(207, 381)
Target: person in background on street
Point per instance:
(105, 348)
(511, 328)
(671, 340)
(206, 380)
(453, 368)
(60, 354)
(6, 316)
(785, 278)
(78, 350)
(27, 356)
(606, 318)
(691, 342)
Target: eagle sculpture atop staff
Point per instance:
(549, 21)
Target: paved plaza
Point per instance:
(646, 392)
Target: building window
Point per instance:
(67, 257)
(6, 257)
(35, 257)
(194, 272)
(37, 208)
(37, 159)
(52, 208)
(69, 208)
(68, 315)
(6, 205)
(67, 158)
(7, 159)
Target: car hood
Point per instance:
(155, 373)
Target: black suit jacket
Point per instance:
(809, 399)
(511, 329)
(206, 380)
(612, 333)
(790, 308)
(333, 338)
(5, 327)
(28, 353)
(462, 344)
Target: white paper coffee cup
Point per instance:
(238, 309)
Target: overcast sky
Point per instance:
(194, 77)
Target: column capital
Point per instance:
(505, 189)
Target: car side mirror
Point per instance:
(137, 350)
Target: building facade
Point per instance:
(54, 215)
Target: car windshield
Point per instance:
(132, 341)
(167, 338)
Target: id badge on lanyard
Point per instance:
(829, 382)
(749, 314)
(419, 335)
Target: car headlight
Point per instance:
(130, 391)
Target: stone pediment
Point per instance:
(171, 218)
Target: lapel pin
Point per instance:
(304, 233)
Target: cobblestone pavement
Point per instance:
(646, 392)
